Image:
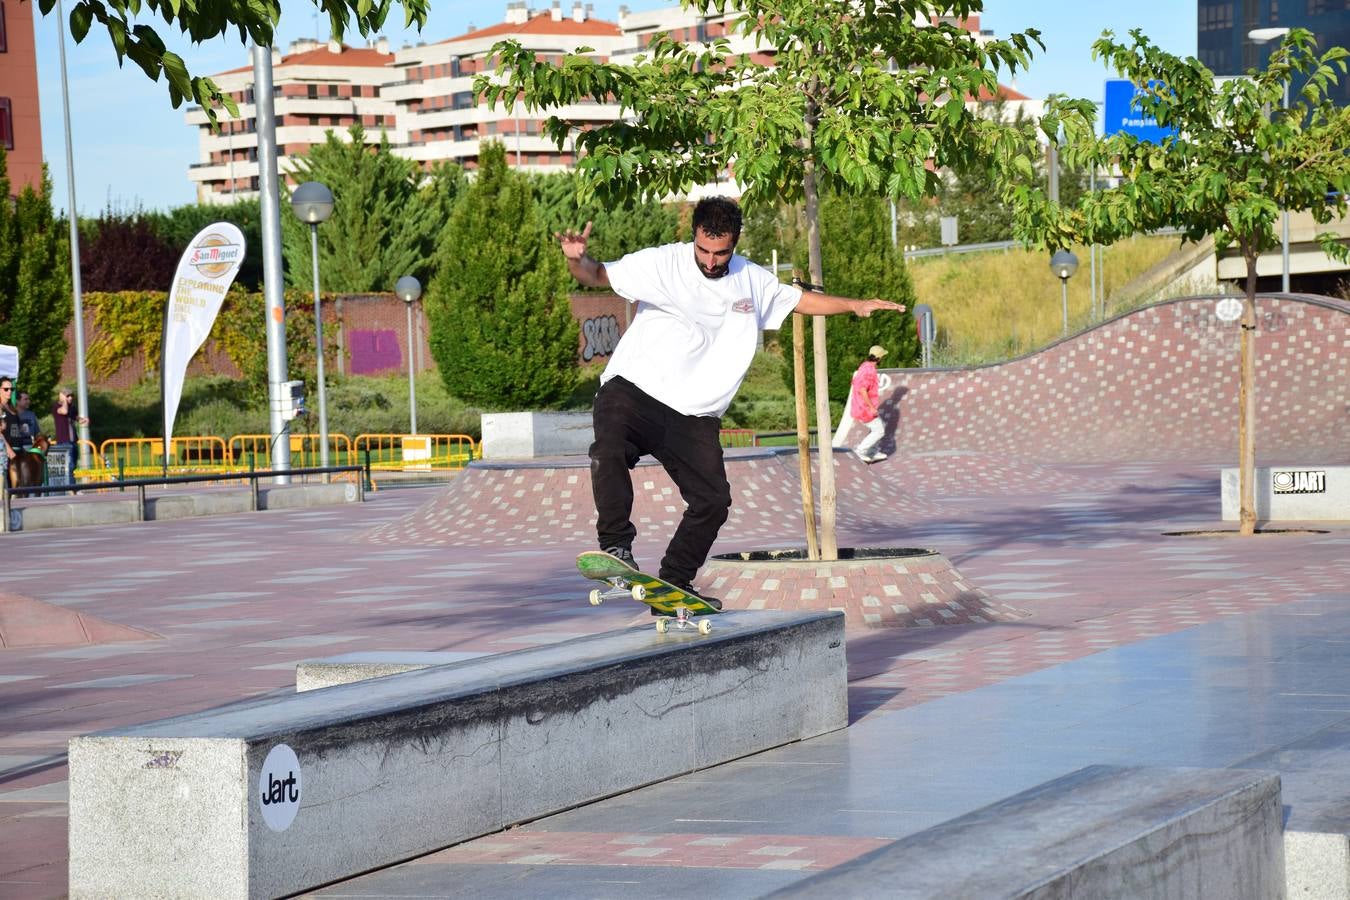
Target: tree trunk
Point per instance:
(804, 434)
(829, 545)
(1247, 403)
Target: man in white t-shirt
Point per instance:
(700, 309)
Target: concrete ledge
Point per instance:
(53, 513)
(1101, 832)
(527, 435)
(282, 793)
(1293, 493)
(347, 668)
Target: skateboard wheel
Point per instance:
(705, 627)
(639, 593)
(660, 626)
(596, 597)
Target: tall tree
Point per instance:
(502, 330)
(1238, 159)
(383, 224)
(255, 21)
(864, 97)
(35, 285)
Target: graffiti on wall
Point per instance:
(599, 337)
(374, 351)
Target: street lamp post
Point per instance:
(1264, 36)
(409, 289)
(312, 203)
(1064, 264)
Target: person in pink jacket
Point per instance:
(862, 405)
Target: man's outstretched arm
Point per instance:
(814, 304)
(584, 269)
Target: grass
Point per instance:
(997, 305)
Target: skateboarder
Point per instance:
(700, 309)
(862, 405)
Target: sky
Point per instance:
(132, 149)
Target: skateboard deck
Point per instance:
(624, 581)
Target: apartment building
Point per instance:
(423, 97)
(20, 122)
(317, 88)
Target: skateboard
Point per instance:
(672, 603)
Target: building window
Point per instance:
(6, 124)
(4, 43)
(1216, 16)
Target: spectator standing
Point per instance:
(10, 426)
(28, 420)
(65, 417)
(863, 400)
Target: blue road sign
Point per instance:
(1122, 113)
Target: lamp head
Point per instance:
(1063, 264)
(312, 202)
(1266, 35)
(408, 288)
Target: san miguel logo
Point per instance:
(213, 255)
(1298, 481)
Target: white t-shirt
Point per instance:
(693, 338)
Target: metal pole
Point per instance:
(412, 380)
(1092, 251)
(318, 344)
(1064, 301)
(81, 377)
(273, 289)
(1284, 219)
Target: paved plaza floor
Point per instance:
(1139, 648)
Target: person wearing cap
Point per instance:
(862, 405)
(700, 309)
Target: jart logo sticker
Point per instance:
(279, 787)
(1298, 481)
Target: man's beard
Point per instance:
(715, 271)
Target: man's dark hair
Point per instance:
(718, 216)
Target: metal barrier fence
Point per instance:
(736, 437)
(415, 452)
(305, 449)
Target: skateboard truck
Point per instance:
(621, 588)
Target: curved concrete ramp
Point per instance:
(532, 503)
(1157, 384)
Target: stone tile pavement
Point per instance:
(1139, 646)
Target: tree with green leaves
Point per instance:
(502, 330)
(255, 21)
(35, 295)
(1237, 160)
(620, 228)
(862, 97)
(383, 226)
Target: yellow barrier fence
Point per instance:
(415, 452)
(257, 449)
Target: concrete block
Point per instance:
(526, 435)
(187, 506)
(307, 496)
(347, 668)
(1317, 865)
(1292, 493)
(396, 766)
(1103, 832)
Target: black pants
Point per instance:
(630, 424)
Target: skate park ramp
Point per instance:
(1155, 385)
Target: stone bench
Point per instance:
(1293, 493)
(346, 668)
(1101, 832)
(282, 793)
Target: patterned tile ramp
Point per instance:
(1159, 383)
(29, 622)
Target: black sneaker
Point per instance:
(623, 555)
